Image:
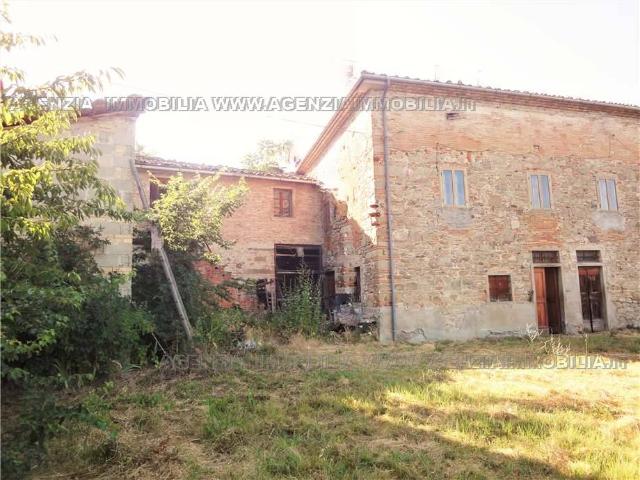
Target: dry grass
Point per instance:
(358, 417)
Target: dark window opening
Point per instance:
(545, 256)
(156, 191)
(261, 292)
(282, 203)
(357, 287)
(588, 255)
(500, 288)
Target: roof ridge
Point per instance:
(502, 90)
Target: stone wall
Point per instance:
(443, 255)
(347, 175)
(115, 138)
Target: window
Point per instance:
(608, 194)
(545, 256)
(588, 255)
(453, 187)
(282, 205)
(357, 289)
(500, 288)
(540, 191)
(157, 190)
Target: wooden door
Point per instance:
(329, 290)
(552, 292)
(591, 297)
(541, 298)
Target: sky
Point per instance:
(581, 48)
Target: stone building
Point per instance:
(454, 212)
(114, 134)
(505, 209)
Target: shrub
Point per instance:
(214, 325)
(190, 213)
(151, 292)
(222, 328)
(301, 310)
(62, 319)
(42, 417)
(63, 324)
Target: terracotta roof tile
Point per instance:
(153, 161)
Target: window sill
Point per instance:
(542, 210)
(457, 207)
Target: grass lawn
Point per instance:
(357, 415)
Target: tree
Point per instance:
(269, 156)
(191, 212)
(45, 173)
(50, 184)
(63, 321)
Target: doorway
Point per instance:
(591, 297)
(329, 291)
(290, 262)
(548, 299)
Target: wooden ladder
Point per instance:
(158, 244)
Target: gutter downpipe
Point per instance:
(387, 199)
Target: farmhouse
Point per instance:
(518, 209)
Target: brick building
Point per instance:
(456, 212)
(278, 221)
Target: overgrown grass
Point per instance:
(359, 419)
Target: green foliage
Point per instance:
(63, 320)
(53, 294)
(228, 420)
(41, 418)
(222, 328)
(269, 156)
(146, 400)
(215, 326)
(46, 173)
(301, 310)
(191, 212)
(151, 291)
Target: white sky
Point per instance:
(587, 49)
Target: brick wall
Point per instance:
(255, 230)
